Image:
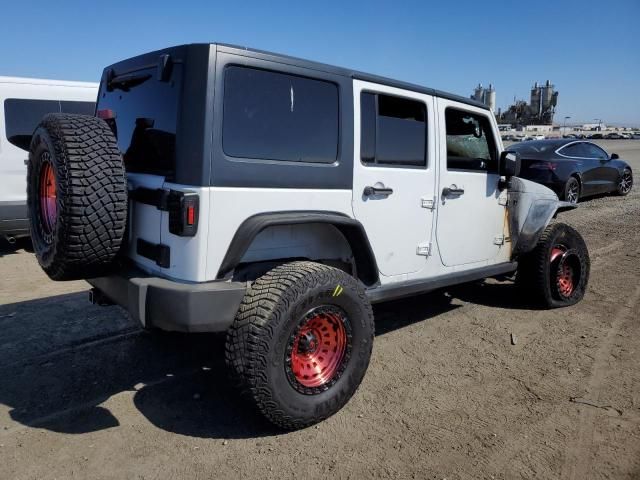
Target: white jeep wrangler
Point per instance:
(222, 189)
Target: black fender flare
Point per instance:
(352, 230)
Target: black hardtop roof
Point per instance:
(276, 57)
(350, 73)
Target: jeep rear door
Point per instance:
(471, 207)
(394, 174)
(142, 110)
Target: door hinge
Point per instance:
(424, 249)
(429, 203)
(499, 240)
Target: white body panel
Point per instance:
(229, 207)
(396, 224)
(468, 224)
(13, 171)
(465, 228)
(144, 221)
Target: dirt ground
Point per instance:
(85, 393)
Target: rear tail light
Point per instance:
(543, 166)
(106, 114)
(191, 215)
(183, 213)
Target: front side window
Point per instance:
(277, 116)
(470, 142)
(393, 130)
(584, 150)
(593, 151)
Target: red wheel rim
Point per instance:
(48, 198)
(318, 349)
(565, 274)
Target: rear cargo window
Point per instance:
(276, 116)
(22, 116)
(144, 117)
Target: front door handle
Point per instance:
(452, 191)
(370, 191)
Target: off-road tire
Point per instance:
(537, 274)
(626, 174)
(572, 185)
(84, 236)
(258, 342)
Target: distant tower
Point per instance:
(490, 98)
(547, 96)
(536, 106)
(478, 93)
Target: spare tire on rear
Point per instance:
(77, 196)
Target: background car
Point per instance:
(574, 169)
(613, 136)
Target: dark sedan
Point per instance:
(573, 168)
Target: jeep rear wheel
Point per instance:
(556, 272)
(301, 342)
(77, 196)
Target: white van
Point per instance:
(23, 103)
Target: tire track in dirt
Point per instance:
(578, 457)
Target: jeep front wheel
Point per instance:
(301, 342)
(556, 272)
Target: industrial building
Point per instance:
(538, 111)
(486, 96)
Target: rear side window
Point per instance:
(573, 150)
(393, 131)
(275, 116)
(470, 142)
(22, 116)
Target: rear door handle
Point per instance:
(452, 191)
(370, 191)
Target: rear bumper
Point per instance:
(171, 305)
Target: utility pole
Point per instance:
(564, 126)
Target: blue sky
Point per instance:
(590, 50)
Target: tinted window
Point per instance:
(593, 151)
(573, 150)
(275, 116)
(470, 142)
(393, 130)
(22, 116)
(80, 108)
(144, 119)
(584, 150)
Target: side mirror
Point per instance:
(509, 164)
(615, 156)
